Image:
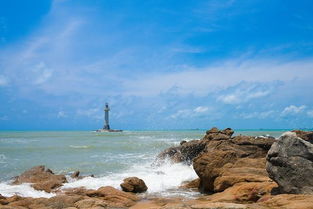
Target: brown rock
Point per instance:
(218, 205)
(91, 203)
(305, 135)
(216, 134)
(216, 164)
(114, 197)
(289, 201)
(41, 179)
(191, 184)
(243, 170)
(134, 184)
(245, 192)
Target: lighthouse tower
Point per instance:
(106, 117)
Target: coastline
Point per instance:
(239, 181)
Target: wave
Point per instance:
(158, 179)
(23, 190)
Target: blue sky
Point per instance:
(167, 64)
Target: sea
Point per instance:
(110, 157)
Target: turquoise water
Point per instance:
(109, 156)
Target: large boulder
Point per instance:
(187, 151)
(290, 164)
(217, 161)
(133, 184)
(41, 179)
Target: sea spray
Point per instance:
(23, 190)
(158, 179)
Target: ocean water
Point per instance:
(110, 157)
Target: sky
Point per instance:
(160, 64)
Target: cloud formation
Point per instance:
(155, 70)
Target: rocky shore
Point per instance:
(234, 172)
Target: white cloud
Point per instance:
(220, 76)
(293, 110)
(201, 109)
(244, 92)
(190, 113)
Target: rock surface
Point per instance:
(305, 135)
(228, 160)
(41, 179)
(290, 164)
(134, 184)
(104, 197)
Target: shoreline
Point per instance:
(234, 172)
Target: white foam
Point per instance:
(23, 190)
(158, 179)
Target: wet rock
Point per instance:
(290, 164)
(41, 179)
(75, 175)
(182, 142)
(183, 153)
(134, 184)
(173, 154)
(194, 184)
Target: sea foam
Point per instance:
(158, 179)
(23, 190)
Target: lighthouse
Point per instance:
(106, 117)
(106, 126)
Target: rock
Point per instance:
(216, 134)
(114, 197)
(218, 205)
(244, 192)
(104, 197)
(182, 142)
(41, 179)
(173, 154)
(220, 156)
(134, 184)
(305, 135)
(290, 164)
(194, 184)
(75, 175)
(91, 203)
(243, 170)
(290, 201)
(183, 153)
